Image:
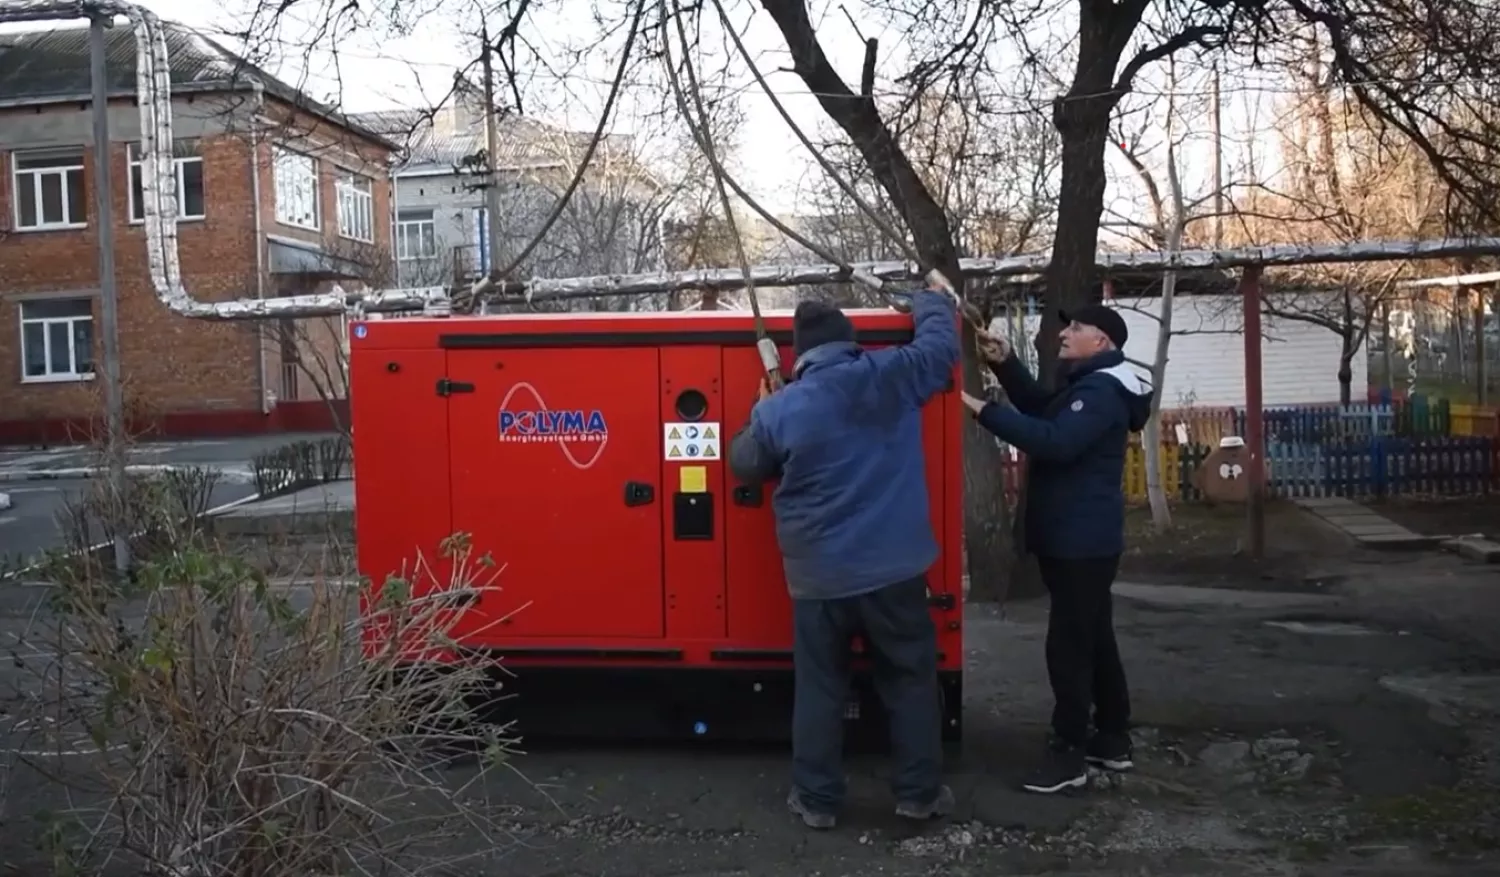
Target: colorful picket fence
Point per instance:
(1418, 416)
(1384, 466)
(1405, 447)
(1474, 420)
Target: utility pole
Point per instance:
(492, 149)
(1218, 165)
(109, 310)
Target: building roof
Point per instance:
(441, 140)
(53, 66)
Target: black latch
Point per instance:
(446, 387)
(946, 602)
(749, 495)
(637, 493)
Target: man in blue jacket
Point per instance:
(1074, 440)
(845, 438)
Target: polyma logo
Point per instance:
(562, 426)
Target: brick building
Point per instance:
(277, 195)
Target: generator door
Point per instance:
(556, 473)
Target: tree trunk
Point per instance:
(1346, 374)
(1082, 121)
(1156, 494)
(988, 548)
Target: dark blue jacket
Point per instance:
(845, 438)
(1074, 440)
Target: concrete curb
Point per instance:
(75, 472)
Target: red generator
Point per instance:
(642, 592)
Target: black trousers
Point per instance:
(1083, 660)
(899, 635)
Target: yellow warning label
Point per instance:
(675, 452)
(708, 451)
(692, 479)
(674, 435)
(708, 432)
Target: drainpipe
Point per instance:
(393, 174)
(262, 380)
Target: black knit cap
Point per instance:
(816, 323)
(1102, 317)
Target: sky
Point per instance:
(366, 69)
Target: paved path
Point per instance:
(1259, 743)
(40, 483)
(1368, 527)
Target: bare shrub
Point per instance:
(158, 511)
(202, 720)
(302, 464)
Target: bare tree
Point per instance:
(1172, 216)
(993, 173)
(1346, 180)
(989, 541)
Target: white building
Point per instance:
(1206, 357)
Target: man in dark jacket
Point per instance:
(1074, 440)
(845, 438)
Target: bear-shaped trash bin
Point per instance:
(1224, 476)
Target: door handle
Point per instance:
(749, 495)
(638, 493)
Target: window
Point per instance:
(187, 162)
(57, 339)
(49, 189)
(416, 235)
(296, 189)
(356, 206)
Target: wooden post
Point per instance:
(1255, 434)
(1481, 373)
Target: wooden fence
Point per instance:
(1407, 447)
(1384, 466)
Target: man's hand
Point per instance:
(765, 390)
(973, 403)
(992, 348)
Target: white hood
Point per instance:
(1127, 377)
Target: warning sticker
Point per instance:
(691, 441)
(692, 479)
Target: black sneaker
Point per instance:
(1062, 768)
(1110, 751)
(811, 818)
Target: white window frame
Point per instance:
(355, 194)
(184, 153)
(403, 253)
(69, 160)
(293, 180)
(52, 377)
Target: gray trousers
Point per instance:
(901, 641)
